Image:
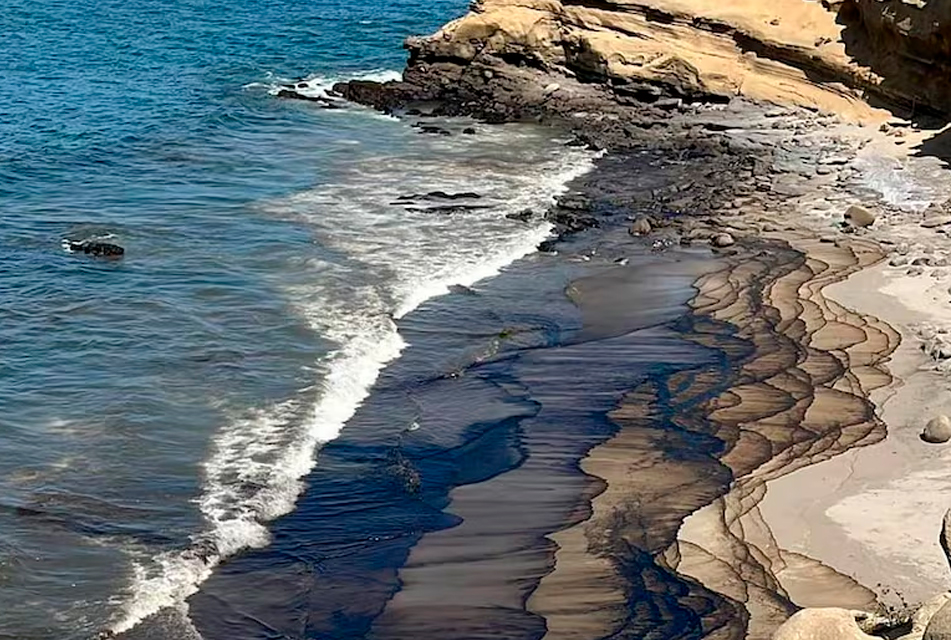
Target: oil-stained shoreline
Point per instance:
(682, 378)
(675, 545)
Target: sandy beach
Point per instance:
(873, 513)
(831, 497)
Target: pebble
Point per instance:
(722, 240)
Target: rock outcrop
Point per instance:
(785, 51)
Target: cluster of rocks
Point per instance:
(930, 620)
(935, 341)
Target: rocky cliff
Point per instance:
(783, 51)
(507, 59)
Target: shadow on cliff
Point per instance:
(907, 85)
(903, 77)
(937, 146)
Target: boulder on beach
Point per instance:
(823, 624)
(937, 431)
(944, 538)
(722, 240)
(640, 227)
(859, 216)
(921, 619)
(939, 626)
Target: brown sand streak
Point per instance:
(798, 396)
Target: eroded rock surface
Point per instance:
(666, 52)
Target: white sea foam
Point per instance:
(909, 183)
(388, 260)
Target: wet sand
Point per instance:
(595, 457)
(798, 396)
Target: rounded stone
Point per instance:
(937, 431)
(722, 240)
(939, 626)
(640, 227)
(822, 624)
(859, 216)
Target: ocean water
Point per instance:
(160, 411)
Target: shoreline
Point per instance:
(499, 430)
(693, 531)
(732, 173)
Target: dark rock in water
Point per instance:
(548, 246)
(469, 131)
(387, 97)
(461, 290)
(574, 203)
(446, 209)
(97, 249)
(432, 129)
(571, 221)
(302, 85)
(522, 216)
(290, 94)
(440, 195)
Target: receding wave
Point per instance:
(380, 258)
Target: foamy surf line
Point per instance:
(256, 472)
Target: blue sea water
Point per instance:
(158, 412)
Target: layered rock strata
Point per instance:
(644, 51)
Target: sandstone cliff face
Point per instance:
(783, 51)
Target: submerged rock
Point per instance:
(432, 129)
(95, 249)
(439, 195)
(522, 216)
